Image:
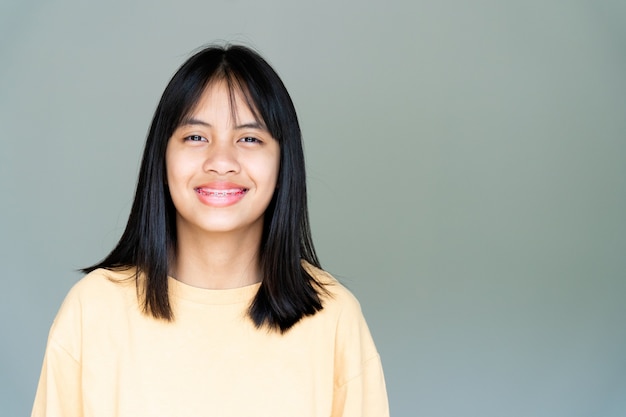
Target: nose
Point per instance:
(221, 158)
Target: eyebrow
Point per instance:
(194, 121)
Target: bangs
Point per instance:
(236, 87)
(247, 77)
(237, 90)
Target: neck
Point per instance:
(217, 261)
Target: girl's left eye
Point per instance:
(195, 138)
(249, 139)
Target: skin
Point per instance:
(221, 173)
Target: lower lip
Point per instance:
(219, 198)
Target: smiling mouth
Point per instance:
(221, 193)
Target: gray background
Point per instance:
(467, 171)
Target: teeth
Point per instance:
(220, 193)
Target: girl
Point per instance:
(213, 302)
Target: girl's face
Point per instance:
(222, 166)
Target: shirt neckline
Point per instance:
(178, 289)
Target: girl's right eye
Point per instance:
(195, 138)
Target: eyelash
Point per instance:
(253, 139)
(195, 138)
(199, 138)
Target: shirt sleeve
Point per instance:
(58, 392)
(363, 396)
(359, 381)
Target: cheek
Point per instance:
(177, 162)
(170, 178)
(276, 172)
(174, 173)
(271, 173)
(262, 169)
(275, 164)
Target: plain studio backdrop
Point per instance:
(467, 176)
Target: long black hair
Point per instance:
(287, 292)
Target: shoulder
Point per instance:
(103, 277)
(356, 353)
(99, 292)
(335, 296)
(103, 284)
(327, 281)
(90, 304)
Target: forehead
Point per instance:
(224, 99)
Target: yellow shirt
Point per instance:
(105, 358)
